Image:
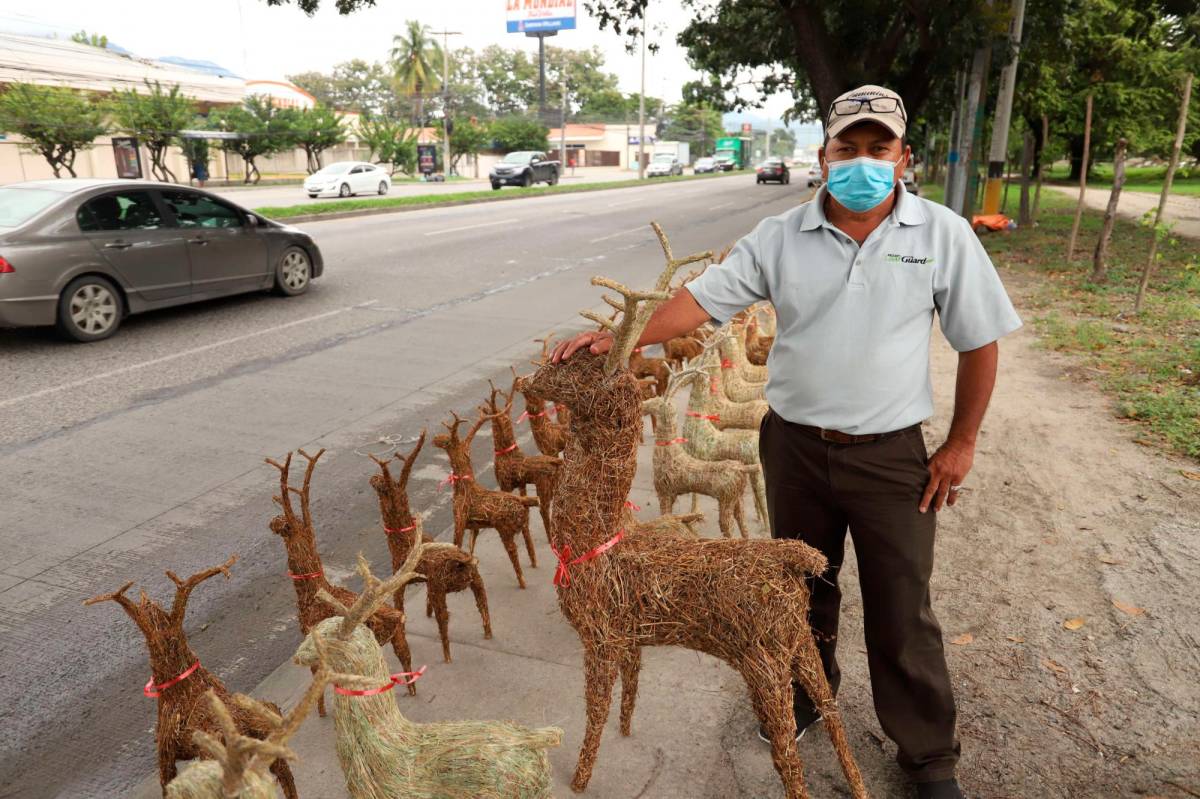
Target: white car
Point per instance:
(664, 164)
(344, 178)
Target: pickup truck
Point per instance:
(524, 168)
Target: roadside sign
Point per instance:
(427, 158)
(746, 127)
(129, 160)
(532, 16)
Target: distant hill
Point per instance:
(806, 132)
(199, 66)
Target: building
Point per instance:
(602, 144)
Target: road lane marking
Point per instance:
(470, 227)
(618, 233)
(721, 205)
(193, 351)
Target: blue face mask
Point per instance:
(860, 184)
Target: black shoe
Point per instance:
(804, 720)
(941, 789)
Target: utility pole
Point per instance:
(446, 97)
(541, 37)
(767, 145)
(642, 105)
(953, 163)
(998, 156)
(971, 127)
(562, 127)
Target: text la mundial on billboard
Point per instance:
(531, 16)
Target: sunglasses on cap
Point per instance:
(879, 105)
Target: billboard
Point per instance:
(129, 160)
(532, 16)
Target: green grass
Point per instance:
(1150, 363)
(507, 193)
(1139, 178)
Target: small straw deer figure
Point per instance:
(742, 601)
(308, 575)
(384, 755)
(476, 507)
(237, 763)
(444, 571)
(179, 682)
(757, 346)
(514, 469)
(733, 354)
(711, 401)
(677, 473)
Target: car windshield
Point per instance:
(17, 205)
(519, 158)
(667, 157)
(335, 169)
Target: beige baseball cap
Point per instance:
(852, 108)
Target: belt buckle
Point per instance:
(826, 436)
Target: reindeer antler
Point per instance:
(407, 461)
(677, 378)
(284, 499)
(131, 608)
(475, 428)
(183, 588)
(304, 492)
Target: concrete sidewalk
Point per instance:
(694, 732)
(1182, 211)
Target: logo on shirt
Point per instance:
(895, 258)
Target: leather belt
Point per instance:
(838, 437)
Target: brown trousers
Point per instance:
(815, 490)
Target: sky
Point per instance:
(267, 43)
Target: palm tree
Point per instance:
(416, 63)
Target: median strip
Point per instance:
(340, 210)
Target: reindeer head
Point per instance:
(661, 407)
(450, 441)
(393, 494)
(288, 524)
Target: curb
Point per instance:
(500, 197)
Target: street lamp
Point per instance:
(446, 95)
(642, 104)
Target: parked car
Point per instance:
(725, 163)
(81, 254)
(703, 165)
(910, 181)
(524, 168)
(814, 176)
(344, 178)
(775, 169)
(664, 164)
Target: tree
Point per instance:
(467, 137)
(416, 64)
(316, 130)
(709, 91)
(310, 6)
(390, 141)
(509, 80)
(606, 105)
(697, 124)
(196, 150)
(584, 70)
(155, 117)
(56, 122)
(92, 39)
(518, 133)
(355, 85)
(264, 130)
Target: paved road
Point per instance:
(295, 195)
(1182, 210)
(130, 456)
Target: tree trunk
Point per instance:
(1180, 130)
(1024, 218)
(1099, 268)
(1087, 142)
(1040, 158)
(1008, 165)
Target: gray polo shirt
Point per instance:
(852, 346)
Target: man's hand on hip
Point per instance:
(947, 469)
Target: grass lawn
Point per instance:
(1149, 363)
(1141, 178)
(507, 193)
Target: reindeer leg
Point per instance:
(283, 775)
(739, 513)
(480, 592)
(809, 672)
(460, 524)
(631, 666)
(321, 698)
(725, 518)
(166, 766)
(404, 655)
(528, 537)
(599, 674)
(509, 538)
(443, 621)
(772, 696)
(474, 538)
(760, 495)
(545, 493)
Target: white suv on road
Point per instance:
(344, 178)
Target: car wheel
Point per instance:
(527, 180)
(495, 187)
(787, 179)
(553, 181)
(89, 309)
(293, 273)
(383, 187)
(312, 196)
(344, 191)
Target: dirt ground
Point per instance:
(1066, 585)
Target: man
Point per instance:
(855, 276)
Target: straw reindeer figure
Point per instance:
(710, 401)
(549, 435)
(733, 353)
(514, 469)
(179, 682)
(476, 507)
(308, 575)
(444, 571)
(743, 601)
(384, 755)
(758, 346)
(235, 770)
(676, 472)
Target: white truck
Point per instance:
(679, 149)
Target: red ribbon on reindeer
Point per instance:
(395, 531)
(506, 450)
(712, 417)
(679, 440)
(400, 678)
(308, 576)
(527, 415)
(712, 385)
(726, 363)
(453, 478)
(632, 505)
(152, 691)
(562, 575)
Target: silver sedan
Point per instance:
(82, 254)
